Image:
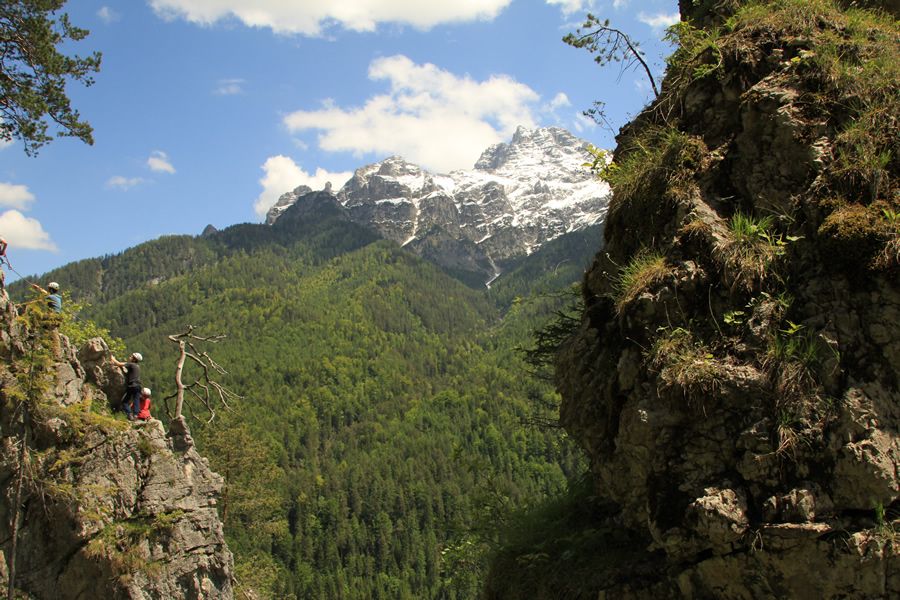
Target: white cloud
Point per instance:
(429, 116)
(549, 109)
(659, 20)
(107, 15)
(309, 18)
(560, 100)
(229, 87)
(15, 196)
(24, 232)
(570, 6)
(573, 6)
(583, 123)
(124, 183)
(159, 162)
(283, 175)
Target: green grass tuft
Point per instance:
(686, 364)
(645, 269)
(751, 251)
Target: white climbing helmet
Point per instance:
(137, 356)
(145, 391)
(53, 286)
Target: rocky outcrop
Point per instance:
(518, 197)
(734, 377)
(109, 509)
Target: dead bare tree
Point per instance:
(203, 387)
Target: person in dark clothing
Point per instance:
(131, 402)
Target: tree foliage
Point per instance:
(608, 45)
(79, 330)
(34, 73)
(383, 427)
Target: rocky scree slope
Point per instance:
(735, 376)
(108, 510)
(518, 197)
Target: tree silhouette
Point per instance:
(33, 73)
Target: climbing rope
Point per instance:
(5, 258)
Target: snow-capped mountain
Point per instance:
(519, 196)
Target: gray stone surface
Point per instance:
(768, 478)
(111, 510)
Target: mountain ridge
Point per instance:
(518, 196)
(383, 397)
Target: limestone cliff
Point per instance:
(735, 376)
(108, 509)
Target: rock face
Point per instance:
(519, 196)
(109, 509)
(734, 378)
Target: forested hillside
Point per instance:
(387, 425)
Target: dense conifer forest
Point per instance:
(388, 424)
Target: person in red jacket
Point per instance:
(144, 413)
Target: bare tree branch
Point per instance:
(202, 387)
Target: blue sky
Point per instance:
(204, 111)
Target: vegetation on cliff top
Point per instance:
(708, 288)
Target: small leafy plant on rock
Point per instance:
(686, 364)
(751, 251)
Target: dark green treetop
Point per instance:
(33, 73)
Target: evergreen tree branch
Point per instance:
(610, 45)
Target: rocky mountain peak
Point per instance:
(519, 196)
(397, 166)
(533, 147)
(286, 200)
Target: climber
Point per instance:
(144, 414)
(132, 398)
(54, 300)
(3, 259)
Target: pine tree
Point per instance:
(34, 73)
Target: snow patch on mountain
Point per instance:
(519, 196)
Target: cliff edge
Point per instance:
(107, 509)
(735, 375)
